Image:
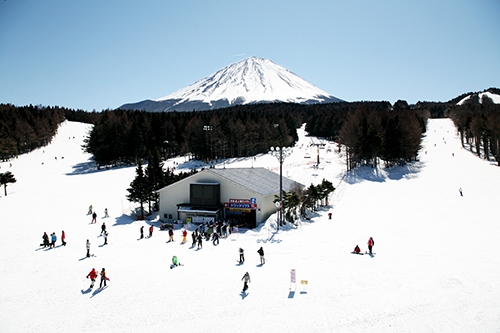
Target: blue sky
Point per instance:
(94, 55)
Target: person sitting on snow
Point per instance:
(356, 249)
(175, 262)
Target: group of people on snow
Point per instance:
(93, 276)
(371, 244)
(51, 242)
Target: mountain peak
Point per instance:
(251, 80)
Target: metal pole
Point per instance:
(281, 188)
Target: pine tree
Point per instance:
(138, 191)
(6, 178)
(154, 175)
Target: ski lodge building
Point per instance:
(242, 195)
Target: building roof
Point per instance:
(258, 180)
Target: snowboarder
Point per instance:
(150, 231)
(105, 238)
(371, 244)
(171, 235)
(63, 238)
(261, 253)
(46, 242)
(356, 249)
(106, 212)
(242, 256)
(142, 232)
(184, 235)
(88, 248)
(94, 218)
(93, 276)
(103, 228)
(53, 238)
(103, 278)
(246, 280)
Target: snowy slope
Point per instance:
(435, 269)
(494, 97)
(252, 80)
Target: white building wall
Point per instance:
(178, 193)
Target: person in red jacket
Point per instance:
(93, 276)
(150, 231)
(184, 235)
(63, 238)
(371, 243)
(357, 249)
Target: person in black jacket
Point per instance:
(242, 256)
(261, 253)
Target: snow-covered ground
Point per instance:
(436, 268)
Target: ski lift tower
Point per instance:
(317, 144)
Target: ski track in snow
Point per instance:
(436, 268)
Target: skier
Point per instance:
(150, 231)
(142, 232)
(261, 253)
(246, 280)
(103, 278)
(105, 238)
(371, 243)
(106, 212)
(200, 241)
(88, 248)
(171, 235)
(215, 238)
(90, 210)
(193, 236)
(63, 238)
(46, 242)
(460, 191)
(103, 228)
(242, 256)
(93, 276)
(53, 239)
(184, 235)
(94, 218)
(356, 249)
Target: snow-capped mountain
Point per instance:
(252, 80)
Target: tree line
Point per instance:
(24, 129)
(477, 120)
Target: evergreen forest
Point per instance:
(370, 131)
